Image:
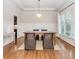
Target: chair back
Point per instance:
(48, 41)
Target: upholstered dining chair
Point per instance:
(42, 36)
(48, 41)
(36, 35)
(30, 42)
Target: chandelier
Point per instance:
(39, 14)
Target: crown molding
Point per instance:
(30, 9)
(47, 9)
(18, 5)
(66, 5)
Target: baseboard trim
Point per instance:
(12, 42)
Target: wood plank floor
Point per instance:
(40, 54)
(13, 53)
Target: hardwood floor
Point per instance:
(66, 47)
(11, 52)
(12, 47)
(37, 54)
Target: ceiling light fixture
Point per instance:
(39, 14)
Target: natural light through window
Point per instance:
(67, 22)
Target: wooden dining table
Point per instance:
(40, 33)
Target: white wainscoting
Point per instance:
(8, 38)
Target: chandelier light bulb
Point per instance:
(39, 15)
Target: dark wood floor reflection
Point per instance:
(11, 52)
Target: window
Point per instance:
(62, 24)
(67, 22)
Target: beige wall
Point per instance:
(47, 16)
(30, 21)
(9, 10)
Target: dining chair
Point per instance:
(42, 36)
(30, 42)
(36, 35)
(48, 41)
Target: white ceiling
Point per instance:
(44, 4)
